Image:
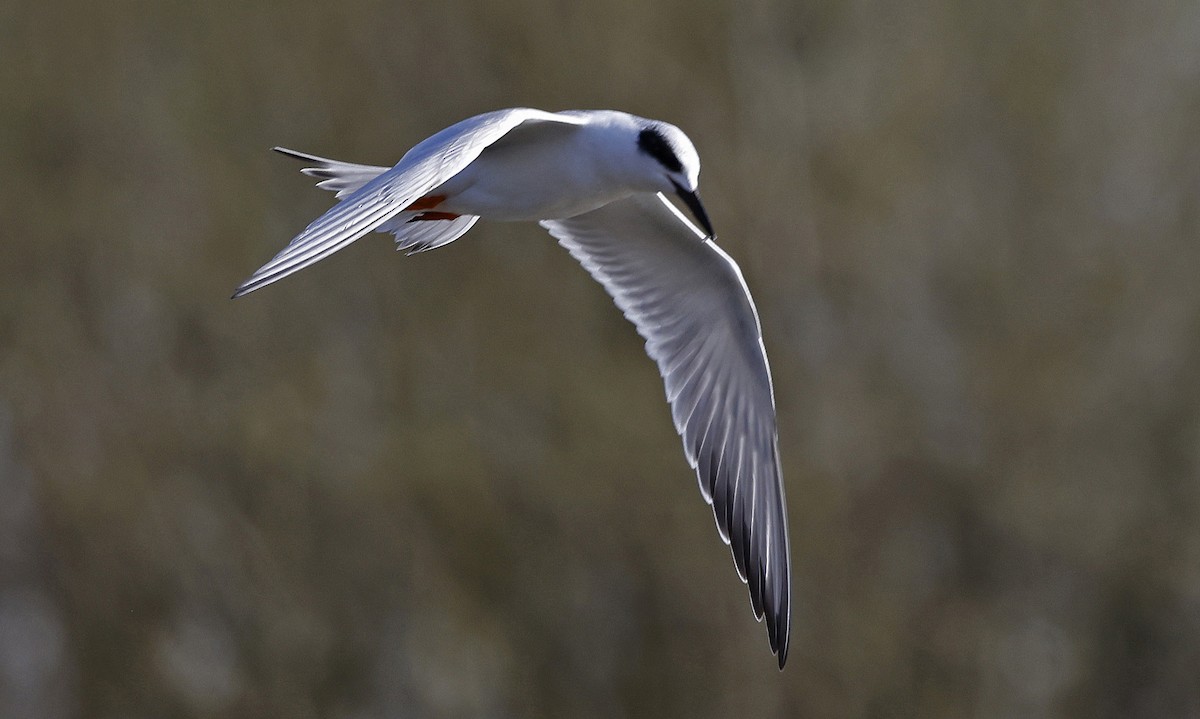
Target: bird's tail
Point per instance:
(336, 176)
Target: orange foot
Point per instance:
(428, 202)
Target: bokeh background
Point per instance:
(448, 485)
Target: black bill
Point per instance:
(692, 200)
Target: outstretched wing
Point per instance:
(688, 300)
(423, 168)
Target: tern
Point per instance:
(599, 182)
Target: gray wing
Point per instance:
(689, 301)
(423, 168)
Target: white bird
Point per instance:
(598, 181)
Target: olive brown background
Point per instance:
(448, 485)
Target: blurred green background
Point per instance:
(448, 485)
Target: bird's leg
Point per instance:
(428, 202)
(425, 216)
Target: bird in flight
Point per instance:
(599, 182)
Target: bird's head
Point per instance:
(673, 165)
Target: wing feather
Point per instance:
(688, 300)
(424, 167)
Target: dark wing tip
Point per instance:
(767, 574)
(782, 622)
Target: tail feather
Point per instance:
(413, 236)
(336, 176)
